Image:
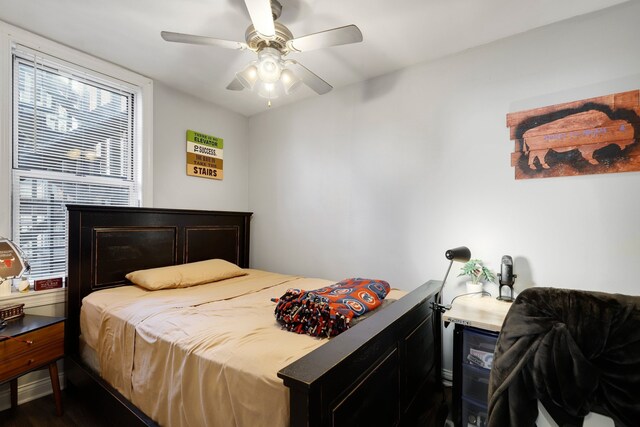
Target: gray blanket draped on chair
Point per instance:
(575, 351)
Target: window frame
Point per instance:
(142, 122)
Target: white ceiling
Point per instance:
(396, 34)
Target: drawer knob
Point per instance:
(30, 361)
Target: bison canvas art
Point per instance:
(598, 135)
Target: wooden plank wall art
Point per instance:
(597, 135)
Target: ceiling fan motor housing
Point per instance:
(257, 42)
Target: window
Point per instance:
(75, 141)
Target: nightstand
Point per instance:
(478, 322)
(34, 342)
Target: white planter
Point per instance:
(474, 288)
(5, 286)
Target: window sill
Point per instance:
(35, 298)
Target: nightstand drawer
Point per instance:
(17, 357)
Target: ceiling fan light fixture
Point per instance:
(269, 90)
(290, 81)
(248, 77)
(269, 65)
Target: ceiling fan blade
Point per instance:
(261, 16)
(309, 78)
(235, 85)
(210, 41)
(337, 36)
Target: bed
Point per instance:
(383, 371)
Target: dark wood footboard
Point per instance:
(382, 372)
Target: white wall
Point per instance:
(174, 113)
(379, 179)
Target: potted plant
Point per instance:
(477, 272)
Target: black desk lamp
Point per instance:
(460, 254)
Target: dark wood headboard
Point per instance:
(106, 243)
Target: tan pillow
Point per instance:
(185, 275)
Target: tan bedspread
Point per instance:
(206, 355)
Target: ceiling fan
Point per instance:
(271, 75)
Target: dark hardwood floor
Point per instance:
(42, 413)
(438, 410)
(79, 413)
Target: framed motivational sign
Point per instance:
(204, 155)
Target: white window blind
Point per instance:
(74, 143)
